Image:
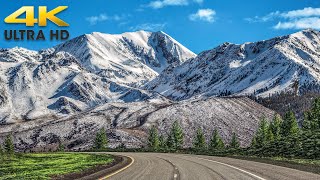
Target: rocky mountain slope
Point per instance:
(82, 73)
(128, 123)
(282, 64)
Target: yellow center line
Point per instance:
(120, 170)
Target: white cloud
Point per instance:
(160, 4)
(203, 15)
(295, 19)
(302, 23)
(149, 27)
(93, 20)
(306, 12)
(265, 18)
(163, 3)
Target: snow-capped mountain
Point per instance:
(83, 73)
(282, 64)
(128, 57)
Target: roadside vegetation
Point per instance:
(47, 165)
(280, 139)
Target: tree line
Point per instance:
(174, 141)
(281, 136)
(7, 149)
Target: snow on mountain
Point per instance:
(128, 57)
(83, 73)
(17, 55)
(282, 64)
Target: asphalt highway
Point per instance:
(153, 166)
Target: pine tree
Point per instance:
(312, 117)
(199, 141)
(270, 136)
(289, 125)
(170, 141)
(153, 140)
(234, 142)
(8, 145)
(61, 147)
(1, 153)
(162, 142)
(216, 142)
(101, 140)
(275, 126)
(175, 138)
(261, 135)
(253, 142)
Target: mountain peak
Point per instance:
(260, 68)
(134, 50)
(83, 72)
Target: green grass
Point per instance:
(298, 161)
(314, 162)
(309, 165)
(45, 165)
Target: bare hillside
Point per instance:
(128, 123)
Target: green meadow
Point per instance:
(46, 165)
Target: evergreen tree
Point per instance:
(170, 141)
(175, 138)
(153, 140)
(270, 136)
(61, 147)
(234, 142)
(199, 141)
(162, 142)
(261, 135)
(312, 117)
(1, 153)
(275, 126)
(216, 141)
(289, 125)
(8, 145)
(101, 140)
(253, 142)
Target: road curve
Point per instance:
(160, 166)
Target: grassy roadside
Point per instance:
(47, 165)
(308, 165)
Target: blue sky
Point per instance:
(197, 24)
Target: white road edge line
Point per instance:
(258, 177)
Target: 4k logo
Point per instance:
(44, 15)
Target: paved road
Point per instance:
(153, 166)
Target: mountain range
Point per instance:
(131, 81)
(82, 73)
(282, 64)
